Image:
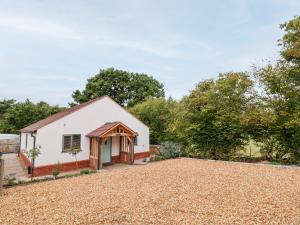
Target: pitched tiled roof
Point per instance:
(105, 128)
(39, 124)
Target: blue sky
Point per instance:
(49, 48)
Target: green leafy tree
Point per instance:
(5, 105)
(32, 154)
(22, 114)
(157, 114)
(290, 41)
(210, 119)
(126, 88)
(281, 85)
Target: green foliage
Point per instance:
(56, 170)
(20, 115)
(84, 171)
(156, 158)
(291, 40)
(281, 98)
(5, 105)
(33, 153)
(281, 84)
(210, 121)
(126, 88)
(157, 114)
(10, 180)
(74, 152)
(170, 150)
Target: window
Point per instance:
(135, 140)
(71, 141)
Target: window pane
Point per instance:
(66, 143)
(76, 141)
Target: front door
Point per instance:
(106, 151)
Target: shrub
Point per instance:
(170, 150)
(10, 180)
(84, 171)
(156, 158)
(56, 170)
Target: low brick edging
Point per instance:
(25, 162)
(69, 166)
(64, 167)
(141, 155)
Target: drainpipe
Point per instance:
(33, 134)
(20, 141)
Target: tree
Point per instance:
(281, 85)
(156, 113)
(22, 114)
(290, 41)
(74, 152)
(210, 121)
(126, 88)
(5, 105)
(33, 154)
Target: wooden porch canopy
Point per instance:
(112, 129)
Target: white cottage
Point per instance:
(104, 131)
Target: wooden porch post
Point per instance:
(100, 153)
(132, 144)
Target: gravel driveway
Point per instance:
(179, 191)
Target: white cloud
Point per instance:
(58, 78)
(169, 45)
(37, 26)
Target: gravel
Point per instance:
(179, 191)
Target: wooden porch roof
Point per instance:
(107, 127)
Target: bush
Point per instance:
(170, 150)
(10, 180)
(156, 158)
(56, 171)
(84, 172)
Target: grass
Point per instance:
(252, 150)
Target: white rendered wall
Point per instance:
(82, 122)
(29, 141)
(115, 146)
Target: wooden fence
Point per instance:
(9, 145)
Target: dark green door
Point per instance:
(106, 151)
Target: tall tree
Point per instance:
(210, 120)
(156, 113)
(290, 41)
(5, 104)
(126, 88)
(25, 113)
(281, 84)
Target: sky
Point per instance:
(49, 48)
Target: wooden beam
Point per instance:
(132, 151)
(117, 135)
